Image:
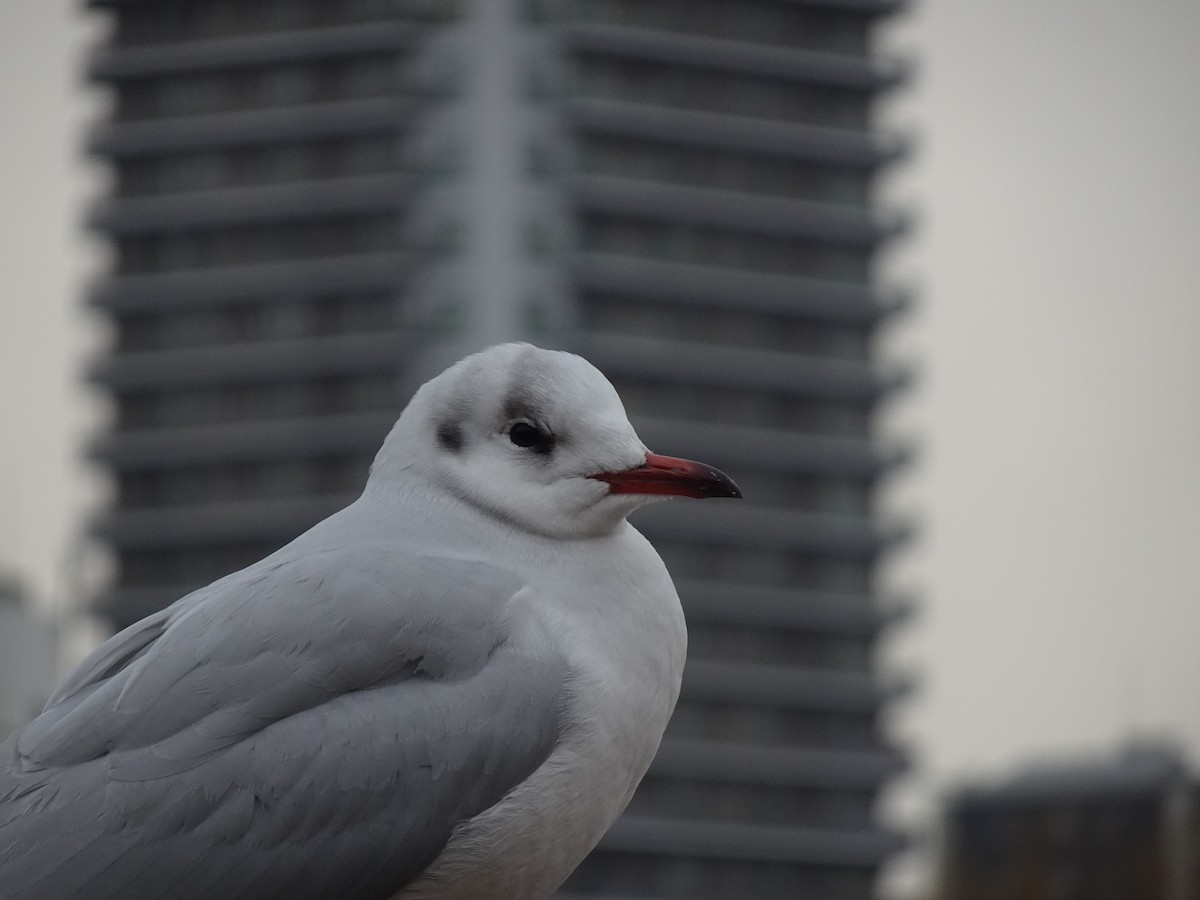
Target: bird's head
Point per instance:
(538, 438)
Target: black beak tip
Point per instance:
(721, 485)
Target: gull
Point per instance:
(448, 690)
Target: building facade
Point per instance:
(319, 203)
(1083, 829)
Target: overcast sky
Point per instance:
(1058, 409)
(1056, 340)
(45, 410)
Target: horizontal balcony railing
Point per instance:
(792, 609)
(721, 54)
(731, 210)
(256, 204)
(255, 361)
(266, 440)
(252, 126)
(722, 287)
(731, 762)
(745, 526)
(725, 131)
(233, 521)
(158, 291)
(783, 687)
(690, 362)
(116, 63)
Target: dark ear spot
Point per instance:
(449, 437)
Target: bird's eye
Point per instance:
(529, 436)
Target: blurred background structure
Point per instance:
(28, 652)
(1056, 184)
(318, 205)
(1093, 829)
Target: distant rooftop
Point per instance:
(1141, 766)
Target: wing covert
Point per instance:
(354, 701)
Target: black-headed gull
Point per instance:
(449, 689)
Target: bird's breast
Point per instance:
(625, 640)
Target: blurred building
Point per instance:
(318, 203)
(1120, 829)
(27, 658)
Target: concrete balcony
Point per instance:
(111, 63)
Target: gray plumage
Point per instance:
(446, 691)
(317, 723)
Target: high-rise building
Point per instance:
(318, 203)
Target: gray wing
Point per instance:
(311, 730)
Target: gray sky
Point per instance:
(45, 410)
(1058, 203)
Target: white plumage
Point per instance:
(449, 689)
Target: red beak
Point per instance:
(668, 475)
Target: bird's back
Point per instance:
(275, 740)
